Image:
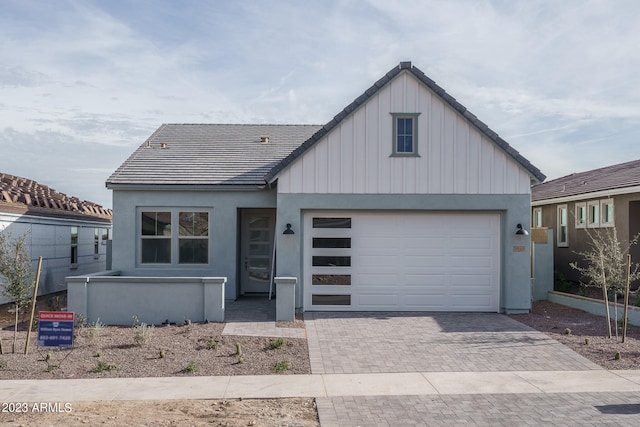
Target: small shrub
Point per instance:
(238, 349)
(162, 354)
(273, 345)
(567, 331)
(3, 364)
(586, 341)
(143, 334)
(94, 331)
(281, 366)
(561, 284)
(212, 344)
(80, 321)
(50, 368)
(636, 300)
(47, 357)
(191, 367)
(617, 356)
(240, 360)
(103, 366)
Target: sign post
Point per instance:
(55, 329)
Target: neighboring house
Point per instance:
(403, 201)
(71, 235)
(588, 201)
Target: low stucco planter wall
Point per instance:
(594, 306)
(116, 299)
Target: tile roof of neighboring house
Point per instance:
(25, 196)
(223, 154)
(608, 178)
(210, 154)
(362, 99)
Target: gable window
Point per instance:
(74, 247)
(563, 237)
(537, 217)
(606, 209)
(193, 237)
(581, 215)
(593, 214)
(405, 134)
(156, 237)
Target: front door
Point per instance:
(257, 228)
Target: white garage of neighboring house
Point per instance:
(403, 201)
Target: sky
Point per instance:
(84, 83)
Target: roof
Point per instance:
(210, 154)
(448, 99)
(616, 177)
(26, 196)
(233, 154)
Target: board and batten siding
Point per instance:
(355, 156)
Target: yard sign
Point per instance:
(55, 329)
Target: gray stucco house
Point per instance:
(403, 201)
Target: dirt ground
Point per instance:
(200, 346)
(186, 343)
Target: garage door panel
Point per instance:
(373, 301)
(424, 280)
(473, 281)
(421, 302)
(417, 261)
(382, 279)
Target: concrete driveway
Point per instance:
(432, 342)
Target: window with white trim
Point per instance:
(96, 243)
(155, 238)
(593, 214)
(581, 215)
(193, 237)
(606, 212)
(174, 236)
(563, 230)
(405, 134)
(74, 247)
(537, 217)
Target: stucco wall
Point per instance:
(514, 209)
(224, 237)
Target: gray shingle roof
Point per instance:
(482, 127)
(608, 178)
(220, 154)
(210, 154)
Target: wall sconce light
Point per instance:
(288, 230)
(521, 231)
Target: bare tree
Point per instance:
(605, 264)
(16, 267)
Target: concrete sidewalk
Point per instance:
(320, 386)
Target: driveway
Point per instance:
(432, 342)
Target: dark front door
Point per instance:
(257, 228)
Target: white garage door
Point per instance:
(402, 261)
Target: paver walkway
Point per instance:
(256, 317)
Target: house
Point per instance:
(70, 234)
(403, 201)
(588, 201)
